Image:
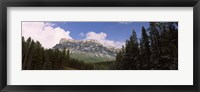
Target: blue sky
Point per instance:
(117, 31)
(107, 33)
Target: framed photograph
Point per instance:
(129, 45)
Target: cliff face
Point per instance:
(87, 50)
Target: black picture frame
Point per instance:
(98, 3)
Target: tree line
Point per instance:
(157, 49)
(35, 57)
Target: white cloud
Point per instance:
(101, 37)
(125, 22)
(44, 32)
(49, 24)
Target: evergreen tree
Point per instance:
(63, 58)
(37, 59)
(145, 50)
(25, 50)
(169, 45)
(68, 56)
(131, 57)
(155, 44)
(28, 58)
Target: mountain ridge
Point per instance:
(88, 50)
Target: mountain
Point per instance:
(87, 50)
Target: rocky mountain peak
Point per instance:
(91, 48)
(64, 40)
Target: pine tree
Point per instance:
(68, 56)
(169, 45)
(164, 45)
(131, 57)
(25, 50)
(29, 56)
(145, 50)
(155, 44)
(63, 58)
(37, 59)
